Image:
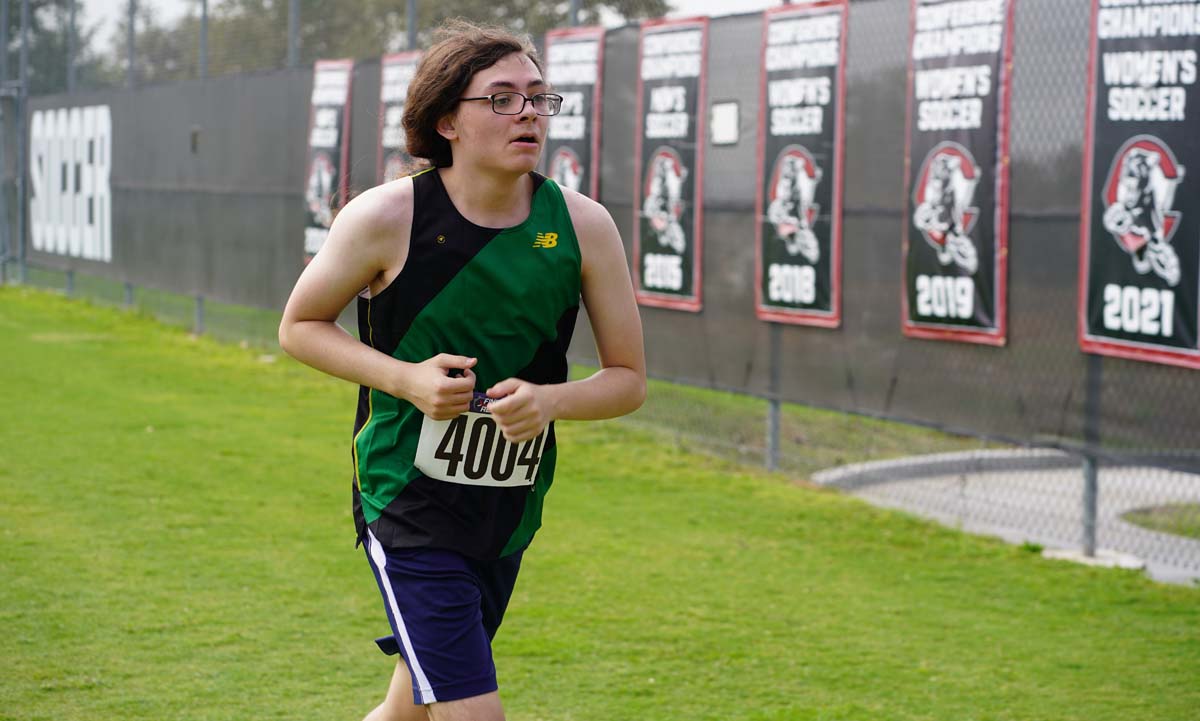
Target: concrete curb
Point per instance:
(1035, 496)
(858, 475)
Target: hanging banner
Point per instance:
(800, 142)
(575, 67)
(1139, 260)
(669, 163)
(955, 242)
(326, 181)
(396, 72)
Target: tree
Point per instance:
(49, 38)
(246, 35)
(162, 52)
(537, 16)
(251, 35)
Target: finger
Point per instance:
(504, 388)
(514, 439)
(520, 432)
(447, 361)
(518, 423)
(457, 403)
(462, 398)
(514, 436)
(499, 408)
(460, 383)
(509, 409)
(444, 412)
(464, 384)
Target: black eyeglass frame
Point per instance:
(528, 100)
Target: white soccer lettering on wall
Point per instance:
(70, 160)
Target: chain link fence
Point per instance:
(1035, 442)
(78, 45)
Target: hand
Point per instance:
(522, 411)
(430, 387)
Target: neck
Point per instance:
(488, 199)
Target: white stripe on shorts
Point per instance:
(379, 558)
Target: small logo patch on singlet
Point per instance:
(546, 240)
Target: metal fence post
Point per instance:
(1091, 494)
(128, 294)
(23, 146)
(1093, 386)
(70, 283)
(203, 39)
(773, 405)
(4, 45)
(198, 324)
(6, 245)
(130, 71)
(71, 48)
(412, 24)
(293, 45)
(573, 13)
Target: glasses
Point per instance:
(514, 103)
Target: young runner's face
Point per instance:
(511, 142)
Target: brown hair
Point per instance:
(461, 49)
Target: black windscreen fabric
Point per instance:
(223, 216)
(1033, 390)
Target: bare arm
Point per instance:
(366, 247)
(619, 387)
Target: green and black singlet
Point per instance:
(508, 297)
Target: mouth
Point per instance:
(527, 141)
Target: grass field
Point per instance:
(811, 439)
(175, 543)
(1181, 519)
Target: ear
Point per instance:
(446, 127)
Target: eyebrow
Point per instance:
(507, 84)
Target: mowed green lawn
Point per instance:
(176, 543)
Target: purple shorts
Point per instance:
(444, 609)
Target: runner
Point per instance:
(470, 273)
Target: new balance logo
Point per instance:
(546, 240)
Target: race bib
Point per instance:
(470, 449)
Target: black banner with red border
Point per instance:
(669, 163)
(955, 241)
(1139, 261)
(575, 69)
(396, 72)
(326, 179)
(800, 146)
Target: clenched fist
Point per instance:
(434, 391)
(523, 408)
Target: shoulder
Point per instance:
(600, 245)
(590, 218)
(376, 224)
(380, 209)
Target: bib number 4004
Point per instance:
(471, 449)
